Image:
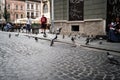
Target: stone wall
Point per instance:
(87, 27)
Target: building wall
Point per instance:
(37, 13)
(94, 21)
(35, 10)
(94, 9)
(1, 10)
(16, 9)
(60, 9)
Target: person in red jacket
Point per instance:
(43, 21)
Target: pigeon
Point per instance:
(52, 42)
(44, 35)
(29, 37)
(58, 31)
(63, 36)
(17, 35)
(9, 35)
(100, 42)
(36, 39)
(111, 58)
(73, 40)
(55, 37)
(87, 40)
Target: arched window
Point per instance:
(45, 8)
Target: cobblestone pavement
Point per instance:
(22, 58)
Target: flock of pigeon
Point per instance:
(110, 57)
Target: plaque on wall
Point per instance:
(76, 10)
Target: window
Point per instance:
(28, 14)
(32, 7)
(21, 7)
(75, 27)
(45, 8)
(16, 16)
(36, 6)
(28, 7)
(21, 15)
(36, 14)
(0, 7)
(16, 7)
(32, 15)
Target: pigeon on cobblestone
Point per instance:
(44, 35)
(112, 59)
(56, 36)
(9, 35)
(63, 36)
(100, 42)
(36, 39)
(17, 34)
(52, 41)
(87, 40)
(73, 41)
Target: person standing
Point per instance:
(43, 21)
(28, 24)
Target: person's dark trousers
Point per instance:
(28, 27)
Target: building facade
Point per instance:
(89, 17)
(35, 9)
(2, 10)
(32, 8)
(20, 9)
(16, 9)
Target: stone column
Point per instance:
(41, 8)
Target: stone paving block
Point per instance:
(26, 59)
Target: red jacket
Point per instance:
(43, 20)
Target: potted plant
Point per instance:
(35, 28)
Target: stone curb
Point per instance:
(88, 46)
(50, 39)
